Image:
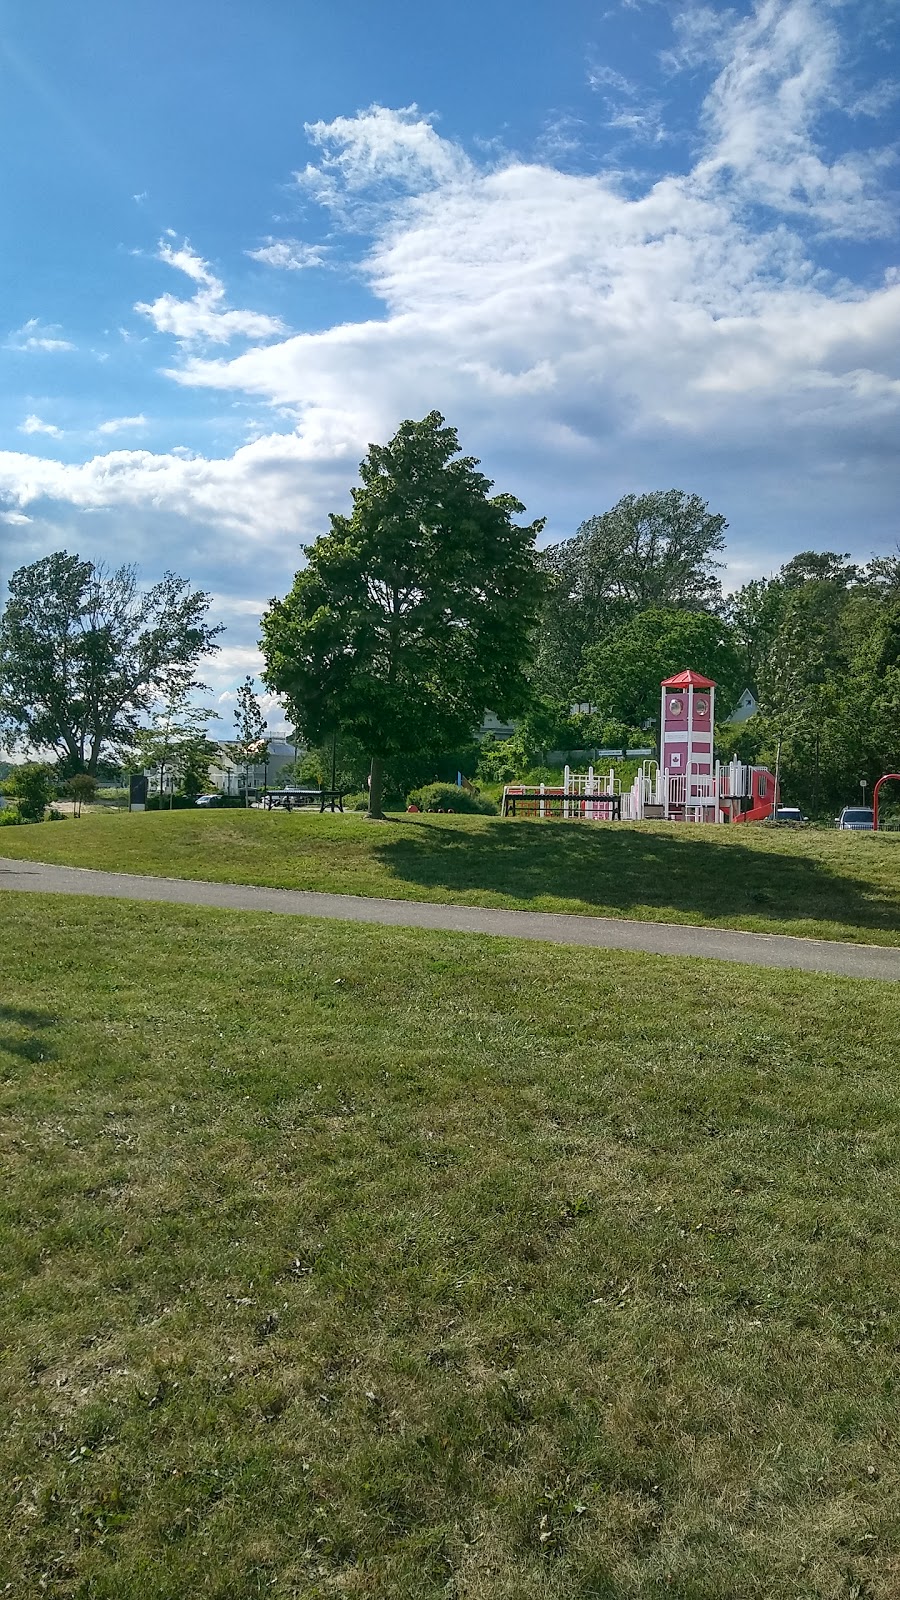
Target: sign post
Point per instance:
(138, 784)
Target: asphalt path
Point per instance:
(600, 933)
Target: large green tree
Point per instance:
(414, 613)
(622, 675)
(821, 645)
(649, 550)
(84, 652)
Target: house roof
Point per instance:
(684, 680)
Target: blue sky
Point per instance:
(622, 246)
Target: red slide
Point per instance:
(763, 798)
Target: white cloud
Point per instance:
(289, 254)
(601, 76)
(382, 149)
(121, 424)
(643, 123)
(34, 335)
(206, 316)
(15, 519)
(585, 336)
(259, 491)
(33, 424)
(780, 70)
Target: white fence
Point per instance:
(656, 793)
(598, 796)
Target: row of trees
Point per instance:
(636, 596)
(430, 602)
(103, 673)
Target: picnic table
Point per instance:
(287, 799)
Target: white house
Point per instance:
(228, 775)
(746, 707)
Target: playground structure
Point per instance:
(887, 777)
(689, 785)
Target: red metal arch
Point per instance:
(886, 778)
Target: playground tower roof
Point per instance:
(683, 680)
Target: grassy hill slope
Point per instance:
(770, 880)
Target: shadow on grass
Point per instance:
(34, 1046)
(622, 871)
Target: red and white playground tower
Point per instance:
(687, 784)
(687, 720)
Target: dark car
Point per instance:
(207, 800)
(789, 814)
(859, 819)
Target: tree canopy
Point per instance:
(649, 550)
(84, 652)
(821, 643)
(623, 673)
(415, 612)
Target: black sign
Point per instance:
(138, 784)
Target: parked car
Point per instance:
(207, 799)
(861, 819)
(789, 814)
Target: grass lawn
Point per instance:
(349, 1262)
(826, 885)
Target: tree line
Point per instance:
(430, 603)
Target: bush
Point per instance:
(501, 760)
(31, 786)
(447, 797)
(9, 819)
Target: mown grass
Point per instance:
(340, 1261)
(812, 883)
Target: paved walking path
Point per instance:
(601, 933)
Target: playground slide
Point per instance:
(760, 811)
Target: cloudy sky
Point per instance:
(622, 245)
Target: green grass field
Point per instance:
(826, 885)
(350, 1262)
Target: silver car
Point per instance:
(861, 819)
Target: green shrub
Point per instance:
(31, 786)
(447, 797)
(9, 819)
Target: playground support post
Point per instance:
(886, 777)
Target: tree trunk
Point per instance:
(376, 789)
